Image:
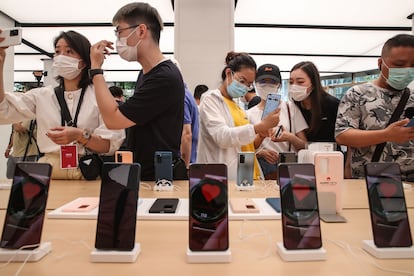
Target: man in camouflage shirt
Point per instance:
(366, 109)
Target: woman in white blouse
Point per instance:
(86, 130)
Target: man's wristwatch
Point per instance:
(93, 72)
(86, 136)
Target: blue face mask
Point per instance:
(399, 78)
(236, 89)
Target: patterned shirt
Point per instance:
(369, 107)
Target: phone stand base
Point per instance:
(245, 187)
(21, 255)
(160, 187)
(389, 252)
(197, 257)
(289, 255)
(112, 256)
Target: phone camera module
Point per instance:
(14, 32)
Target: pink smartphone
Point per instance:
(83, 204)
(243, 205)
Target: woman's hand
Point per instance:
(64, 135)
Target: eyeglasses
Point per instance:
(118, 31)
(243, 81)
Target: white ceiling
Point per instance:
(338, 36)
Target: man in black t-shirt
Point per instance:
(155, 112)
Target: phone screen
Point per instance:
(118, 202)
(299, 204)
(208, 217)
(389, 219)
(272, 102)
(245, 169)
(163, 168)
(23, 223)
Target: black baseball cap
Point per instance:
(268, 71)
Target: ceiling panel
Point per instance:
(338, 36)
(326, 12)
(74, 11)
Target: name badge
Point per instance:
(68, 157)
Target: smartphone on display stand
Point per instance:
(164, 206)
(84, 204)
(388, 210)
(274, 202)
(245, 169)
(299, 206)
(208, 208)
(272, 103)
(25, 213)
(163, 168)
(13, 36)
(117, 215)
(243, 206)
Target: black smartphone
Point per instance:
(299, 205)
(208, 208)
(388, 211)
(245, 169)
(25, 214)
(164, 205)
(118, 202)
(274, 202)
(272, 103)
(278, 131)
(163, 168)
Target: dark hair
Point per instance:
(236, 61)
(116, 91)
(81, 45)
(400, 40)
(199, 90)
(140, 13)
(317, 95)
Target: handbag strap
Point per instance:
(394, 117)
(64, 110)
(290, 124)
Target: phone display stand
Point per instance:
(112, 256)
(164, 185)
(300, 255)
(202, 257)
(328, 207)
(388, 252)
(245, 187)
(20, 255)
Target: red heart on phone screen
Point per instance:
(388, 189)
(210, 192)
(301, 191)
(30, 190)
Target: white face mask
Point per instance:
(66, 67)
(297, 92)
(263, 89)
(129, 53)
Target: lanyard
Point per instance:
(64, 110)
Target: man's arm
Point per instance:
(108, 107)
(186, 143)
(395, 132)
